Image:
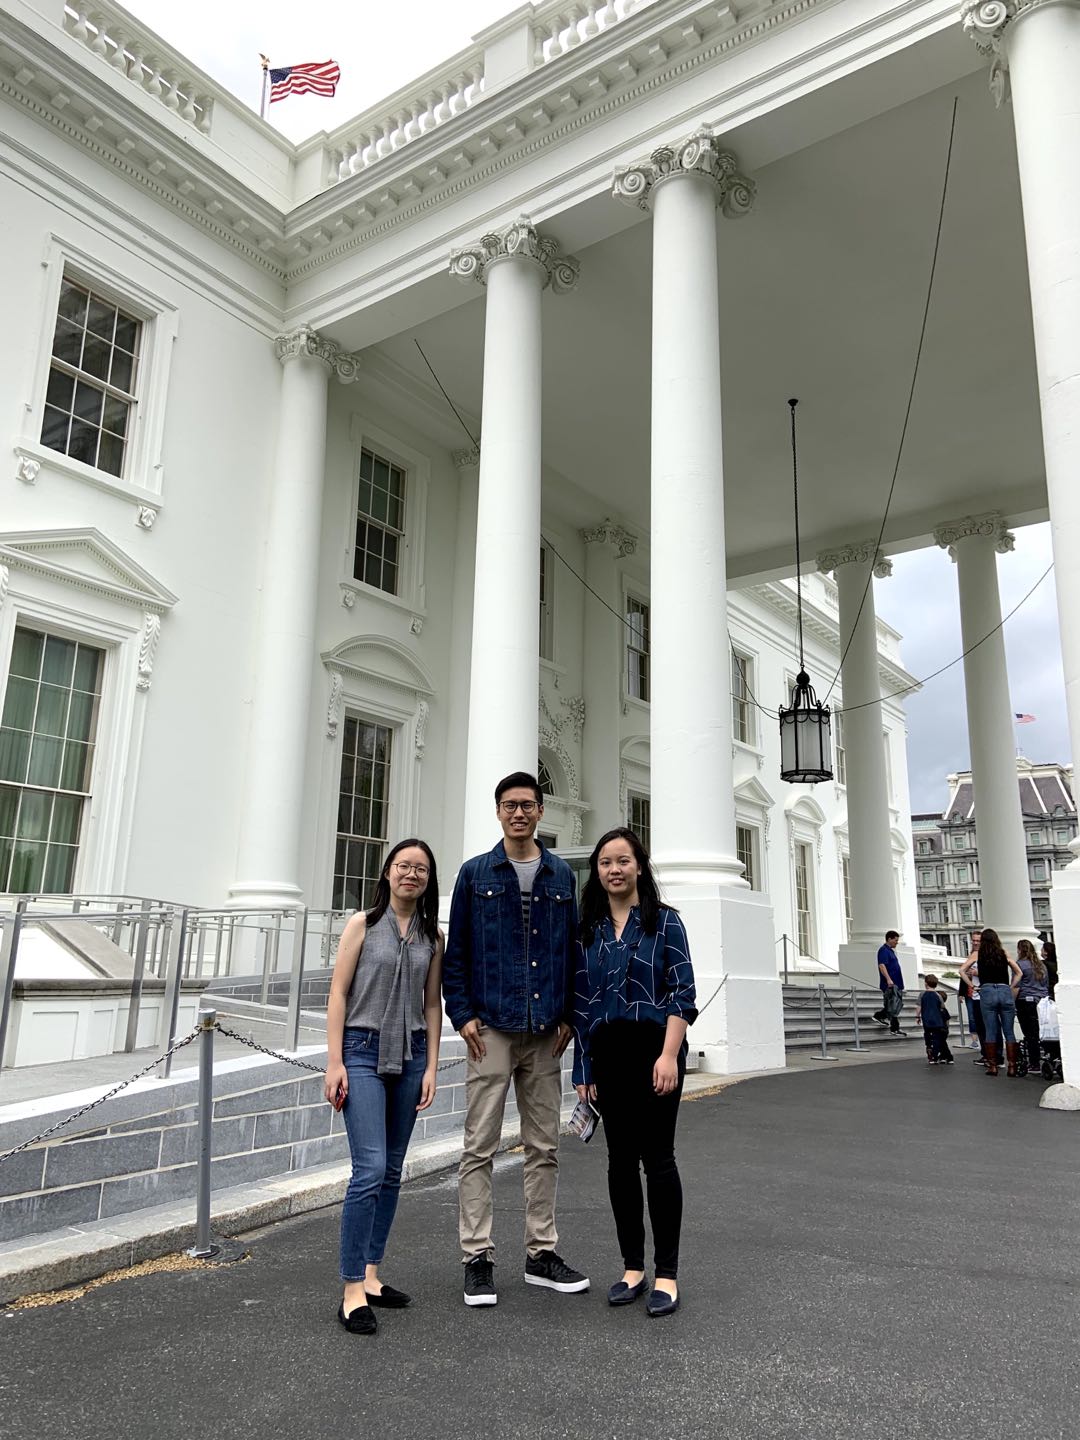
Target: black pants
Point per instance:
(640, 1130)
(1027, 1012)
(937, 1043)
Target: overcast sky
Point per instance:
(379, 49)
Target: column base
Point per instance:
(857, 960)
(264, 895)
(731, 931)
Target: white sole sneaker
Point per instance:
(572, 1287)
(481, 1299)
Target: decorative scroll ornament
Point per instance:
(986, 22)
(859, 552)
(5, 581)
(419, 735)
(521, 239)
(990, 526)
(699, 155)
(147, 649)
(145, 516)
(608, 533)
(333, 708)
(306, 341)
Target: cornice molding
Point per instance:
(519, 241)
(857, 552)
(699, 155)
(608, 533)
(991, 526)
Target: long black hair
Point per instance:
(427, 905)
(990, 947)
(595, 906)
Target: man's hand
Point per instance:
(586, 1092)
(470, 1033)
(562, 1039)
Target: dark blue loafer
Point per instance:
(623, 1294)
(661, 1303)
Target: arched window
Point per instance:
(543, 775)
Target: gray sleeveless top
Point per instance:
(387, 990)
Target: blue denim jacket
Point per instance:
(485, 972)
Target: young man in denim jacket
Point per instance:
(508, 983)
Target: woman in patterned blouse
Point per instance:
(634, 1000)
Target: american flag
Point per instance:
(1024, 719)
(318, 78)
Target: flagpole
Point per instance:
(265, 83)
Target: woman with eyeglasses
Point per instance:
(383, 1022)
(634, 998)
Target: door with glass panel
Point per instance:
(48, 732)
(363, 812)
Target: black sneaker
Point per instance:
(480, 1282)
(549, 1270)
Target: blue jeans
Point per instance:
(969, 1006)
(380, 1113)
(998, 1013)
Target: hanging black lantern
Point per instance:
(805, 725)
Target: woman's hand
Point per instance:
(665, 1075)
(427, 1088)
(336, 1077)
(586, 1092)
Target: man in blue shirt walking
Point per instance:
(892, 985)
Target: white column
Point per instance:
(457, 730)
(504, 686)
(268, 858)
(604, 647)
(1039, 45)
(974, 544)
(693, 805)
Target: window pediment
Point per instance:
(382, 661)
(88, 560)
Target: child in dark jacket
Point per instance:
(935, 1023)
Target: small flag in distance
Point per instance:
(317, 78)
(1024, 719)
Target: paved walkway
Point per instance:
(874, 1250)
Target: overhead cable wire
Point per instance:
(910, 399)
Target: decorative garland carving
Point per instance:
(551, 737)
(608, 533)
(523, 240)
(306, 341)
(990, 526)
(859, 552)
(147, 649)
(702, 155)
(467, 459)
(333, 708)
(419, 734)
(5, 581)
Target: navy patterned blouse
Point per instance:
(634, 977)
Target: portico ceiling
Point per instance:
(822, 289)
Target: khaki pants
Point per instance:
(537, 1076)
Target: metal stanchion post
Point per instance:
(296, 979)
(821, 1016)
(785, 957)
(207, 1246)
(138, 970)
(177, 936)
(9, 949)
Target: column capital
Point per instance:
(858, 552)
(306, 341)
(467, 459)
(608, 533)
(700, 154)
(522, 241)
(987, 22)
(991, 526)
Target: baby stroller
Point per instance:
(1049, 1040)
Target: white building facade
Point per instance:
(269, 600)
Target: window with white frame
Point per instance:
(742, 711)
(845, 888)
(839, 751)
(380, 522)
(804, 898)
(48, 732)
(1042, 910)
(547, 614)
(924, 846)
(637, 648)
(363, 812)
(639, 817)
(90, 400)
(965, 914)
(1062, 837)
(747, 851)
(963, 874)
(1035, 837)
(1038, 870)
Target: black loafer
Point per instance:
(390, 1299)
(360, 1321)
(624, 1294)
(661, 1303)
